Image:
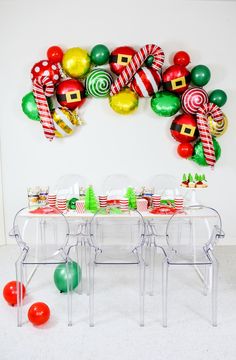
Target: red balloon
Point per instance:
(10, 292)
(184, 128)
(120, 57)
(185, 150)
(55, 54)
(176, 78)
(181, 58)
(70, 93)
(45, 68)
(38, 313)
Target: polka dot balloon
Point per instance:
(45, 68)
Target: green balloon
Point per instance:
(71, 203)
(165, 103)
(218, 97)
(29, 106)
(149, 61)
(200, 75)
(198, 153)
(100, 54)
(60, 276)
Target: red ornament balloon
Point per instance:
(47, 69)
(146, 82)
(184, 128)
(181, 58)
(185, 150)
(120, 57)
(70, 93)
(10, 292)
(55, 54)
(38, 313)
(176, 78)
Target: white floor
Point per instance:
(117, 334)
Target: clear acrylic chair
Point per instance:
(167, 186)
(69, 186)
(190, 239)
(43, 240)
(127, 228)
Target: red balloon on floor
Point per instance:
(10, 292)
(38, 313)
(185, 150)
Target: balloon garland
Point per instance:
(70, 76)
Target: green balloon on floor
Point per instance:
(60, 276)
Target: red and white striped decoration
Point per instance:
(80, 206)
(203, 113)
(135, 64)
(142, 205)
(61, 204)
(156, 201)
(179, 202)
(42, 87)
(192, 99)
(145, 82)
(102, 201)
(52, 200)
(124, 204)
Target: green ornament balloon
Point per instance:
(165, 103)
(100, 54)
(200, 75)
(60, 276)
(71, 204)
(218, 97)
(98, 83)
(198, 153)
(29, 106)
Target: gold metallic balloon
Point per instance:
(125, 102)
(76, 62)
(65, 121)
(218, 128)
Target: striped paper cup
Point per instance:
(156, 201)
(52, 200)
(80, 206)
(142, 205)
(179, 202)
(124, 204)
(102, 201)
(61, 204)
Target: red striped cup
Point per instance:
(102, 201)
(80, 206)
(124, 204)
(179, 202)
(52, 200)
(61, 204)
(142, 205)
(156, 201)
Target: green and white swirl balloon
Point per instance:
(98, 83)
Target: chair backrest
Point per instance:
(164, 184)
(42, 235)
(120, 232)
(115, 185)
(69, 185)
(197, 226)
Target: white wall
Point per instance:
(139, 145)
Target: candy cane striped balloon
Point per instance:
(203, 112)
(42, 87)
(135, 63)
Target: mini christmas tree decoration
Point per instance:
(130, 194)
(91, 202)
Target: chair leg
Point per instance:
(91, 289)
(69, 292)
(19, 291)
(214, 292)
(80, 263)
(206, 280)
(152, 268)
(165, 267)
(142, 268)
